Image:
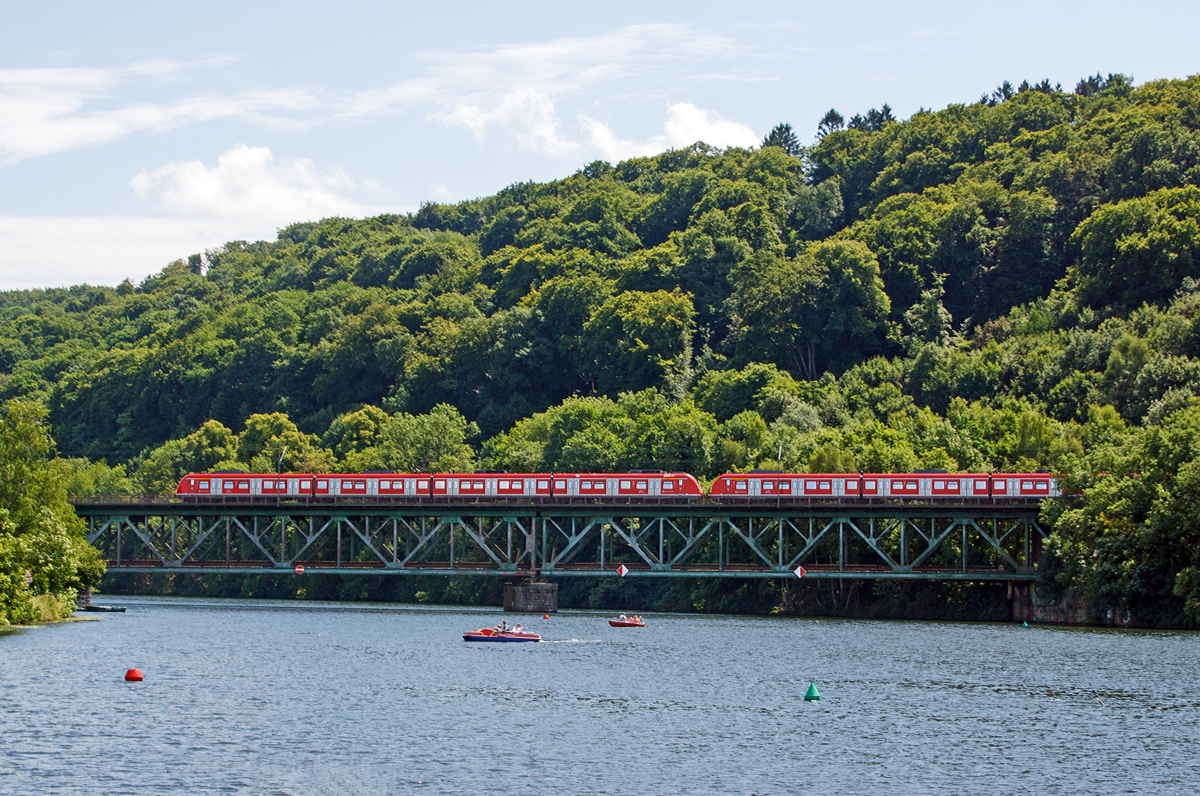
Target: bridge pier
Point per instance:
(531, 598)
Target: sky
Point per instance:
(133, 134)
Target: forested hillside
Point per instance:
(1004, 284)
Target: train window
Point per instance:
(641, 484)
(202, 485)
(360, 484)
(439, 484)
(1001, 485)
(668, 486)
(322, 485)
(543, 484)
(768, 486)
(422, 485)
(981, 486)
(1026, 485)
(347, 485)
(785, 486)
(939, 484)
(1040, 485)
(869, 484)
(477, 485)
(810, 484)
(306, 484)
(560, 484)
(824, 485)
(625, 484)
(852, 484)
(739, 486)
(385, 484)
(243, 484)
(227, 485)
(952, 485)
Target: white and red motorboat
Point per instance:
(488, 634)
(625, 623)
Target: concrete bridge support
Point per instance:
(531, 598)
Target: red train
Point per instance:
(650, 486)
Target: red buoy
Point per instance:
(133, 676)
(545, 616)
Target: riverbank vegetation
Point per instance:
(40, 535)
(1007, 284)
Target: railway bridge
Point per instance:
(538, 540)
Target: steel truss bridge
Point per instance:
(906, 540)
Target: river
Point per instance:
(262, 697)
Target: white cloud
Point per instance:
(528, 114)
(515, 87)
(247, 183)
(43, 111)
(686, 124)
(247, 195)
(61, 251)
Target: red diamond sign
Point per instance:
(621, 570)
(800, 572)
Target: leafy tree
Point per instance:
(39, 530)
(638, 340)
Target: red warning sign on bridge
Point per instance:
(299, 569)
(800, 571)
(621, 570)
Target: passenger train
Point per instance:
(635, 486)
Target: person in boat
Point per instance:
(518, 628)
(622, 618)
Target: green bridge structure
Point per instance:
(982, 540)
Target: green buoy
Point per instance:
(1024, 624)
(812, 695)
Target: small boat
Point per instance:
(114, 609)
(487, 634)
(625, 623)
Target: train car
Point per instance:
(626, 486)
(931, 486)
(928, 485)
(774, 485)
(233, 486)
(1025, 486)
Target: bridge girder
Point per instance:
(906, 541)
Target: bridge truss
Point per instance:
(968, 541)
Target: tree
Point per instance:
(782, 136)
(830, 122)
(39, 530)
(826, 309)
(636, 340)
(1140, 249)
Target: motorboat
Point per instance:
(625, 623)
(488, 634)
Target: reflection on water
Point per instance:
(253, 697)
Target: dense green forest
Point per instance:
(1004, 284)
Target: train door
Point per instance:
(976, 485)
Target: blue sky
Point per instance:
(137, 133)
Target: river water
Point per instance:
(260, 697)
